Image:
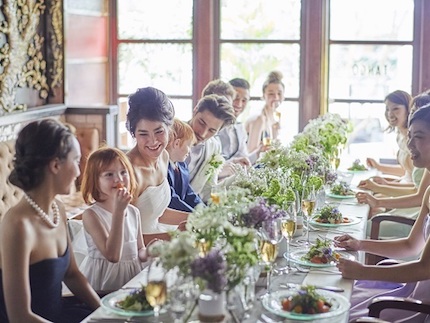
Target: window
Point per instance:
(339, 56)
(370, 55)
(155, 49)
(254, 42)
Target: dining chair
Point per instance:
(381, 303)
(372, 259)
(367, 319)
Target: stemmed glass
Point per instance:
(270, 235)
(217, 192)
(156, 287)
(288, 228)
(182, 297)
(308, 206)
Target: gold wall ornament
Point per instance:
(22, 62)
(55, 49)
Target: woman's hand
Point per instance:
(367, 184)
(350, 269)
(372, 163)
(366, 198)
(347, 242)
(380, 180)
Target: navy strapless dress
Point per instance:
(46, 279)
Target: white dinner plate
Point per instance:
(109, 302)
(335, 196)
(352, 220)
(296, 257)
(340, 305)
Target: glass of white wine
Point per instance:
(308, 207)
(217, 193)
(288, 228)
(156, 286)
(270, 235)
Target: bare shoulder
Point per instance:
(18, 224)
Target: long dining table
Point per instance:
(327, 276)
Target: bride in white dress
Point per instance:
(149, 118)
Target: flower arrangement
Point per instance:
(327, 132)
(230, 247)
(214, 165)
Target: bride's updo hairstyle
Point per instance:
(37, 144)
(274, 77)
(150, 104)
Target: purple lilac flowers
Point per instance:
(212, 269)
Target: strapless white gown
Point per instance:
(152, 203)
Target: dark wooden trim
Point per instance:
(203, 54)
(45, 111)
(313, 60)
(421, 63)
(113, 52)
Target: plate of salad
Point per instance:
(341, 190)
(330, 216)
(128, 302)
(357, 166)
(321, 254)
(306, 304)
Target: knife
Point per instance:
(329, 288)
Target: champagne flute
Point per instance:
(217, 192)
(267, 139)
(270, 236)
(182, 296)
(308, 206)
(156, 287)
(288, 227)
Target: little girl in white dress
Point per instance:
(111, 225)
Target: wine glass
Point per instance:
(308, 206)
(182, 296)
(156, 287)
(288, 228)
(270, 235)
(217, 192)
(267, 139)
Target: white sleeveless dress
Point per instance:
(152, 203)
(103, 274)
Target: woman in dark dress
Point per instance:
(35, 252)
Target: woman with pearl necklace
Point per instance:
(36, 254)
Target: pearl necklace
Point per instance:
(45, 217)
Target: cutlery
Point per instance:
(329, 288)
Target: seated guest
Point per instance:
(181, 140)
(36, 253)
(227, 90)
(111, 225)
(396, 112)
(233, 138)
(406, 205)
(406, 279)
(212, 113)
(149, 118)
(265, 125)
(221, 88)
